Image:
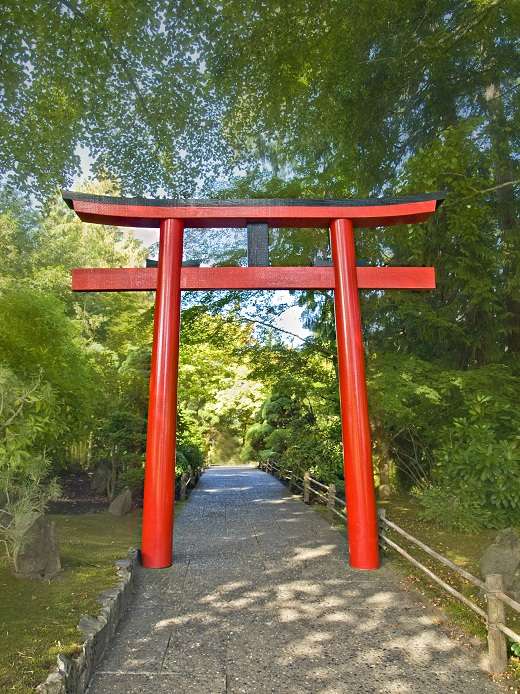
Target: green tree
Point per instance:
(121, 82)
(27, 422)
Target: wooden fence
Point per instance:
(492, 588)
(188, 480)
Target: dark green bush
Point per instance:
(133, 478)
(255, 441)
(476, 480)
(189, 457)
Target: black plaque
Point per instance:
(257, 245)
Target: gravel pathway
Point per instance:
(261, 599)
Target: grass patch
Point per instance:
(463, 548)
(38, 619)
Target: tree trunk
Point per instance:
(384, 461)
(112, 478)
(507, 213)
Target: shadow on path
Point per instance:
(261, 599)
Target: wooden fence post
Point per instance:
(381, 515)
(306, 488)
(331, 494)
(496, 614)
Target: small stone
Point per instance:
(108, 595)
(89, 625)
(38, 554)
(64, 665)
(122, 504)
(124, 564)
(54, 684)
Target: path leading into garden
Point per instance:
(261, 599)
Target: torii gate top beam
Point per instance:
(143, 212)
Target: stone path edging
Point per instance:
(72, 675)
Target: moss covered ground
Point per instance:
(38, 619)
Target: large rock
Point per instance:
(503, 557)
(122, 504)
(38, 554)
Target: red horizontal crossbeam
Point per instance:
(207, 278)
(135, 212)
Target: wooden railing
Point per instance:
(188, 479)
(492, 588)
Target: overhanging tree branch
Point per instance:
(128, 74)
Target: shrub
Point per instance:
(476, 480)
(25, 488)
(255, 441)
(278, 440)
(441, 507)
(192, 454)
(181, 464)
(133, 478)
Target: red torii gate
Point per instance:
(170, 278)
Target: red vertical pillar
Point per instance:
(357, 445)
(159, 481)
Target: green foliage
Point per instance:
(279, 409)
(446, 507)
(478, 474)
(37, 321)
(192, 454)
(277, 441)
(133, 478)
(181, 464)
(420, 410)
(80, 75)
(218, 396)
(255, 439)
(317, 451)
(189, 457)
(26, 414)
(372, 118)
(290, 433)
